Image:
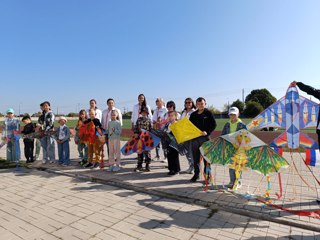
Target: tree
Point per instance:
(252, 109)
(262, 96)
(239, 104)
(72, 114)
(213, 109)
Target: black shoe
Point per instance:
(138, 169)
(89, 164)
(147, 168)
(194, 178)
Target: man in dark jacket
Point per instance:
(203, 119)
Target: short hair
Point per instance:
(25, 117)
(200, 99)
(171, 103)
(110, 99)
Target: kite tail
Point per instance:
(102, 156)
(267, 194)
(314, 214)
(295, 167)
(207, 175)
(280, 186)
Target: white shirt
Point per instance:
(62, 134)
(106, 117)
(159, 113)
(136, 113)
(98, 113)
(187, 114)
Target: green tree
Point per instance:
(213, 109)
(252, 109)
(239, 104)
(262, 96)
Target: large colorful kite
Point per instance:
(241, 150)
(145, 142)
(293, 113)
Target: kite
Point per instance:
(242, 150)
(145, 142)
(293, 113)
(184, 130)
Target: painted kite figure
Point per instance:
(241, 150)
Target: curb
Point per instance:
(184, 199)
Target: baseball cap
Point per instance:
(234, 110)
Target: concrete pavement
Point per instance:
(298, 192)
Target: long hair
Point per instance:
(192, 102)
(144, 103)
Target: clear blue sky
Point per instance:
(70, 51)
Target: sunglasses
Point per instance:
(188, 102)
(169, 106)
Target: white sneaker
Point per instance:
(116, 169)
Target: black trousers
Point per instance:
(28, 149)
(173, 160)
(196, 144)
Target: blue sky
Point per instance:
(68, 52)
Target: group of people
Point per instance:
(96, 128)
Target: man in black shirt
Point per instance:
(203, 119)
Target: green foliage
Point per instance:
(252, 109)
(213, 109)
(73, 114)
(239, 104)
(261, 96)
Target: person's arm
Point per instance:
(67, 137)
(212, 123)
(117, 129)
(308, 89)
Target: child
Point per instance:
(114, 131)
(172, 153)
(11, 126)
(94, 146)
(82, 147)
(143, 122)
(235, 124)
(63, 138)
(28, 128)
(47, 142)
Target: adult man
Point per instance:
(203, 119)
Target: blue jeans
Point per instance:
(48, 148)
(83, 151)
(13, 150)
(188, 146)
(64, 152)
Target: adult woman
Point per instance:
(93, 106)
(142, 102)
(189, 107)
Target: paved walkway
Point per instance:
(297, 194)
(38, 205)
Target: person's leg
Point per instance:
(196, 144)
(170, 157)
(148, 160)
(26, 151)
(31, 150)
(139, 163)
(111, 153)
(66, 149)
(38, 148)
(51, 151)
(44, 145)
(117, 151)
(176, 162)
(60, 153)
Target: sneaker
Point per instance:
(95, 165)
(110, 169)
(194, 178)
(83, 162)
(89, 164)
(138, 169)
(171, 173)
(157, 158)
(65, 165)
(116, 169)
(239, 185)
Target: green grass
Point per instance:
(220, 123)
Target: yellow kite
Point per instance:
(184, 130)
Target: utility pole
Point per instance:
(243, 95)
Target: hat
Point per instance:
(234, 110)
(10, 110)
(63, 118)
